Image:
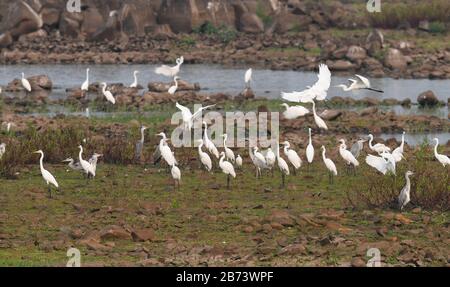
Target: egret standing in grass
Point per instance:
(48, 177)
(294, 112)
(227, 168)
(332, 171)
(228, 152)
(204, 157)
(404, 197)
(310, 149)
(379, 148)
(347, 156)
(108, 95)
(292, 156)
(166, 153)
(93, 162)
(173, 89)
(361, 84)
(73, 165)
(85, 85)
(25, 83)
(140, 144)
(248, 78)
(87, 167)
(260, 162)
(282, 165)
(239, 161)
(318, 120)
(135, 83)
(170, 71)
(210, 146)
(176, 175)
(443, 159)
(270, 159)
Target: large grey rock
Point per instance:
(394, 59)
(21, 19)
(427, 98)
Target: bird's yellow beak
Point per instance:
(36, 152)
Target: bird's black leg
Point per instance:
(282, 179)
(228, 181)
(295, 171)
(49, 191)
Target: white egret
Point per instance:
(379, 148)
(228, 152)
(204, 157)
(270, 159)
(166, 153)
(260, 162)
(73, 165)
(292, 156)
(310, 149)
(332, 171)
(348, 157)
(357, 147)
(2, 150)
(294, 112)
(318, 91)
(239, 161)
(318, 120)
(108, 95)
(398, 152)
(135, 83)
(443, 159)
(173, 89)
(87, 113)
(361, 84)
(254, 161)
(170, 71)
(380, 163)
(140, 144)
(248, 77)
(25, 83)
(404, 197)
(210, 146)
(87, 167)
(176, 175)
(93, 162)
(282, 165)
(48, 177)
(8, 125)
(85, 85)
(188, 117)
(227, 168)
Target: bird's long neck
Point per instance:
(104, 88)
(200, 148)
(225, 141)
(314, 108)
(435, 148)
(176, 83)
(278, 150)
(221, 159)
(41, 162)
(80, 155)
(135, 79)
(403, 141)
(142, 135)
(408, 182)
(310, 141)
(87, 75)
(323, 155)
(370, 142)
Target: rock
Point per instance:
(115, 232)
(50, 16)
(92, 20)
(282, 217)
(5, 39)
(22, 19)
(394, 59)
(293, 249)
(427, 98)
(369, 111)
(70, 24)
(355, 53)
(164, 87)
(330, 115)
(246, 94)
(146, 234)
(424, 25)
(40, 82)
(137, 18)
(250, 23)
(358, 262)
(341, 65)
(33, 36)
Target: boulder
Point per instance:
(250, 23)
(92, 20)
(427, 98)
(40, 82)
(330, 115)
(137, 18)
(70, 24)
(394, 59)
(50, 16)
(341, 65)
(33, 36)
(5, 39)
(355, 53)
(21, 19)
(164, 87)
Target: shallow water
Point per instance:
(419, 138)
(216, 78)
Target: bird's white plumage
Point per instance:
(176, 173)
(318, 120)
(48, 177)
(204, 157)
(135, 83)
(404, 196)
(379, 148)
(443, 159)
(292, 156)
(377, 162)
(188, 118)
(228, 152)
(85, 85)
(398, 152)
(239, 161)
(328, 162)
(173, 89)
(210, 146)
(87, 167)
(227, 168)
(108, 95)
(2, 150)
(165, 151)
(170, 71)
(270, 158)
(248, 76)
(25, 83)
(294, 112)
(282, 164)
(310, 149)
(347, 155)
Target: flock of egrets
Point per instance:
(382, 159)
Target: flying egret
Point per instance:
(391, 164)
(379, 148)
(270, 159)
(85, 85)
(210, 146)
(380, 163)
(332, 171)
(357, 147)
(348, 157)
(292, 156)
(204, 157)
(176, 175)
(188, 117)
(93, 162)
(166, 153)
(318, 120)
(361, 84)
(294, 112)
(228, 152)
(239, 161)
(282, 165)
(48, 177)
(2, 150)
(135, 83)
(318, 91)
(73, 165)
(25, 83)
(108, 95)
(310, 149)
(398, 152)
(140, 144)
(173, 89)
(404, 197)
(227, 168)
(248, 77)
(260, 162)
(443, 159)
(87, 167)
(170, 71)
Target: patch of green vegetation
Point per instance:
(223, 33)
(187, 41)
(438, 27)
(267, 19)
